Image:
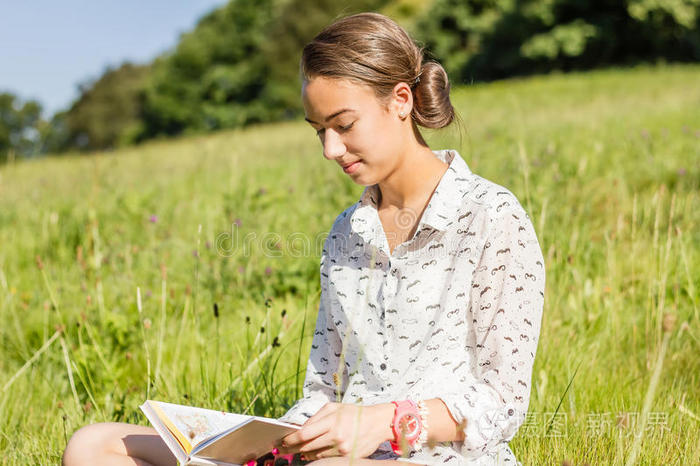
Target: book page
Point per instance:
(246, 442)
(195, 425)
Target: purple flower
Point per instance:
(237, 222)
(268, 271)
(208, 244)
(195, 253)
(682, 171)
(241, 270)
(153, 218)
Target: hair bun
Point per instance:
(432, 107)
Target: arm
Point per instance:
(320, 382)
(506, 301)
(441, 425)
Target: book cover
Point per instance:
(201, 436)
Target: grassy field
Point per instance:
(187, 270)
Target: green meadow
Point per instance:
(187, 270)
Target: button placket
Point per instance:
(390, 317)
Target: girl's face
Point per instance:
(359, 133)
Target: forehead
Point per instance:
(323, 97)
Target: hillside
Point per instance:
(606, 163)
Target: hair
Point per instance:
(371, 49)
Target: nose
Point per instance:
(333, 146)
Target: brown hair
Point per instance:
(372, 49)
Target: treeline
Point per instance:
(239, 65)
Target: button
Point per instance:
(510, 412)
(382, 366)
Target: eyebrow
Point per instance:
(333, 115)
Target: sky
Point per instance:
(48, 47)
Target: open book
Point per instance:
(206, 437)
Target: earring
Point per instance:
(402, 114)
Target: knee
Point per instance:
(84, 446)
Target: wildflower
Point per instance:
(147, 323)
(39, 263)
(195, 253)
(238, 222)
(216, 311)
(268, 302)
(247, 319)
(669, 321)
(268, 271)
(241, 270)
(262, 329)
(681, 171)
(153, 218)
(284, 312)
(208, 244)
(276, 342)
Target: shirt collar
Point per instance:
(440, 212)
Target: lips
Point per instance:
(350, 167)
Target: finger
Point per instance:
(326, 409)
(293, 442)
(321, 442)
(295, 438)
(320, 453)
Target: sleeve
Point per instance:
(323, 367)
(506, 303)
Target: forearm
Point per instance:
(441, 426)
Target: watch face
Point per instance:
(409, 424)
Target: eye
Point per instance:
(346, 128)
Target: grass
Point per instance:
(111, 265)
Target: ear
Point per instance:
(401, 100)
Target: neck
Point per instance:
(413, 180)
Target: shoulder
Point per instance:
(489, 201)
(340, 232)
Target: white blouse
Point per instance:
(453, 313)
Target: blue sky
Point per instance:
(48, 47)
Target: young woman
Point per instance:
(432, 284)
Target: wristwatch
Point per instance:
(406, 423)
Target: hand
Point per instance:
(339, 429)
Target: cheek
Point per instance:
(378, 133)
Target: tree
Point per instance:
(107, 114)
(19, 123)
(491, 39)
